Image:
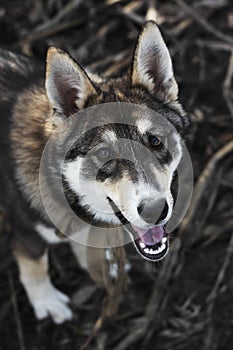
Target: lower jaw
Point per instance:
(154, 252)
(156, 255)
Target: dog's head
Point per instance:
(121, 170)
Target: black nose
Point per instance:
(153, 213)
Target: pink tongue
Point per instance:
(152, 236)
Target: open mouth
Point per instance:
(152, 244)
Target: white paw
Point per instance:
(47, 301)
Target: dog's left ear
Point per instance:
(152, 65)
(67, 84)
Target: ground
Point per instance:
(186, 301)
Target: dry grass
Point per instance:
(186, 301)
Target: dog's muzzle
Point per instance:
(151, 244)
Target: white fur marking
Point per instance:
(91, 193)
(48, 234)
(143, 125)
(108, 254)
(127, 267)
(46, 300)
(113, 270)
(110, 136)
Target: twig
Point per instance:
(211, 299)
(201, 75)
(128, 12)
(111, 59)
(152, 13)
(111, 2)
(16, 312)
(203, 23)
(203, 182)
(181, 26)
(227, 92)
(1, 220)
(134, 335)
(52, 27)
(160, 293)
(114, 287)
(156, 303)
(94, 332)
(67, 9)
(212, 192)
(216, 231)
(4, 310)
(29, 39)
(117, 66)
(214, 292)
(215, 45)
(132, 6)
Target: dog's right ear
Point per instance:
(67, 84)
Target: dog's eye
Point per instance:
(104, 153)
(155, 141)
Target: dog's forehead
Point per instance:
(116, 132)
(109, 136)
(143, 125)
(143, 112)
(135, 129)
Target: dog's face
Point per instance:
(121, 170)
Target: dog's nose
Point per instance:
(155, 212)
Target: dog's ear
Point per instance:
(152, 65)
(67, 84)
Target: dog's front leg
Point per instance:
(46, 300)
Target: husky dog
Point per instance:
(34, 103)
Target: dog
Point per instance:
(135, 192)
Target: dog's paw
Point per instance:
(47, 301)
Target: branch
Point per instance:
(227, 92)
(203, 182)
(211, 299)
(203, 23)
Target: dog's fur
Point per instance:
(32, 108)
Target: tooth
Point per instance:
(160, 249)
(164, 240)
(163, 246)
(152, 251)
(142, 245)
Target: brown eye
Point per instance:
(155, 141)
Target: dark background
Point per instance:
(186, 302)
